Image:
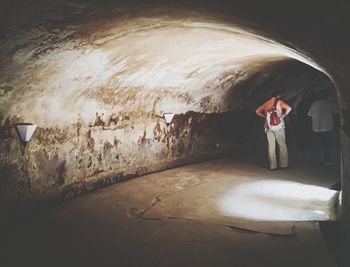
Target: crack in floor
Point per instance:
(155, 201)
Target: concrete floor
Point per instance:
(172, 218)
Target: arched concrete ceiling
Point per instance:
(77, 59)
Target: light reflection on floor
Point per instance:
(279, 200)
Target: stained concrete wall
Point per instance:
(61, 162)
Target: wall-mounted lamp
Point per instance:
(168, 117)
(25, 131)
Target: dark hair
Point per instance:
(277, 93)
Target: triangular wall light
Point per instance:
(25, 131)
(168, 117)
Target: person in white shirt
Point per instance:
(322, 112)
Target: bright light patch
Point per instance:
(278, 200)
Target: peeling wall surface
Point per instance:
(96, 77)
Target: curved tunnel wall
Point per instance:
(97, 88)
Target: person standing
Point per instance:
(274, 111)
(322, 112)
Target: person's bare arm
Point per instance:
(287, 109)
(260, 111)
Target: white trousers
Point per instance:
(279, 137)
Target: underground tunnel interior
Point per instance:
(97, 80)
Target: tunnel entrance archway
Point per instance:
(299, 85)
